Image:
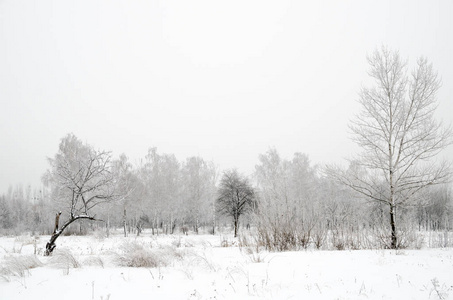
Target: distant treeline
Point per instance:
(164, 195)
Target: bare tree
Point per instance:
(198, 184)
(127, 185)
(288, 201)
(398, 134)
(235, 196)
(160, 175)
(80, 177)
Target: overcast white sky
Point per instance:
(225, 80)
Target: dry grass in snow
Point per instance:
(215, 267)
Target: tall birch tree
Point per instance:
(399, 136)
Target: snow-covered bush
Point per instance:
(18, 266)
(138, 255)
(64, 259)
(93, 261)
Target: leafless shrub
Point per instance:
(251, 247)
(303, 235)
(277, 237)
(243, 241)
(342, 238)
(354, 238)
(319, 235)
(355, 241)
(409, 239)
(338, 240)
(284, 235)
(255, 255)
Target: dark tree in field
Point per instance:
(397, 130)
(80, 179)
(235, 196)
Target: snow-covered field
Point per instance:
(214, 267)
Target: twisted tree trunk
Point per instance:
(50, 246)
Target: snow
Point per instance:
(198, 267)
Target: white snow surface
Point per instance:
(200, 267)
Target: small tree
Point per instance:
(399, 135)
(235, 196)
(80, 179)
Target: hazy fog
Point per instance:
(223, 80)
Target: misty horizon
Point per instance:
(225, 82)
